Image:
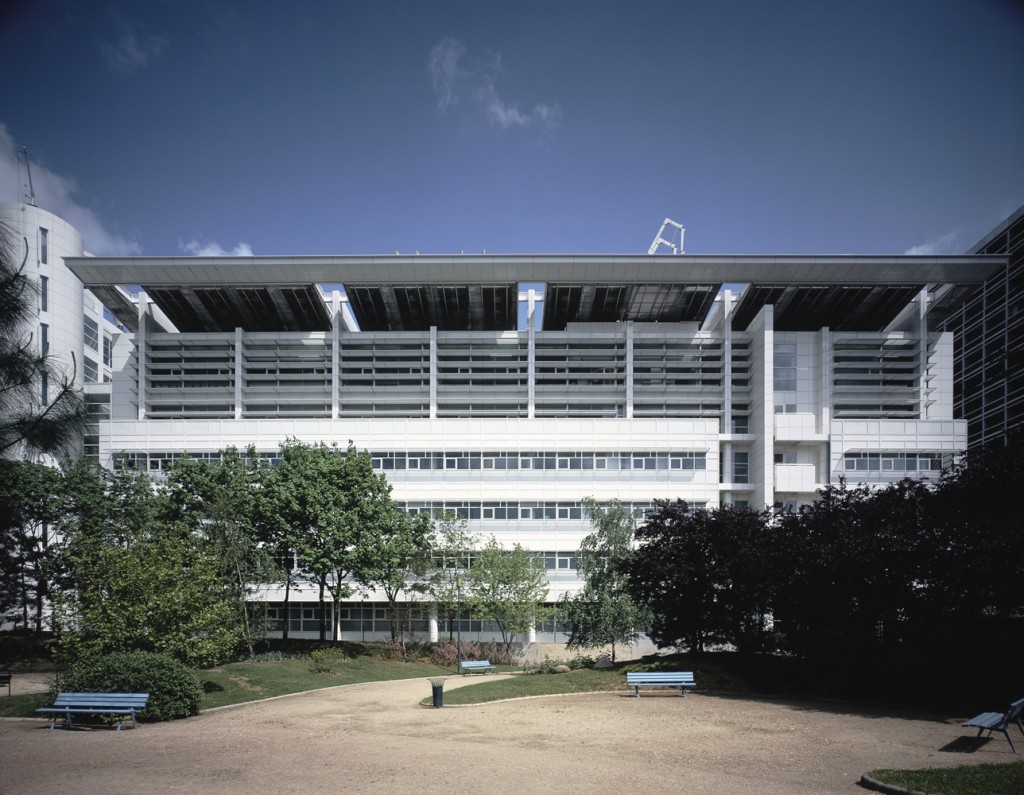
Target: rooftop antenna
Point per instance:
(28, 170)
(661, 240)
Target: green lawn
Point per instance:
(582, 681)
(1005, 779)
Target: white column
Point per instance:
(336, 321)
(433, 623)
(629, 369)
(142, 355)
(531, 356)
(239, 364)
(433, 372)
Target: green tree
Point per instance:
(334, 505)
(705, 575)
(130, 580)
(29, 425)
(394, 558)
(222, 501)
(603, 613)
(508, 587)
(27, 512)
(451, 549)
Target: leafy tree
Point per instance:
(27, 511)
(391, 559)
(703, 574)
(451, 549)
(334, 505)
(28, 425)
(129, 580)
(508, 587)
(222, 502)
(603, 613)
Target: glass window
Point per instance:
(91, 371)
(44, 293)
(44, 245)
(91, 333)
(44, 339)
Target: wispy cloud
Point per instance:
(133, 50)
(207, 248)
(57, 194)
(458, 80)
(947, 244)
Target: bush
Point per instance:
(581, 661)
(327, 661)
(174, 688)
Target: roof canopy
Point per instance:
(480, 292)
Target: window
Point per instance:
(108, 351)
(44, 293)
(788, 457)
(44, 339)
(785, 368)
(44, 245)
(740, 467)
(91, 333)
(91, 371)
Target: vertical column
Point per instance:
(142, 354)
(433, 623)
(629, 369)
(922, 326)
(239, 364)
(433, 372)
(531, 356)
(727, 424)
(335, 353)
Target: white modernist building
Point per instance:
(510, 388)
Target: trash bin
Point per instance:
(437, 688)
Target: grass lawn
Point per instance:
(581, 681)
(237, 683)
(963, 780)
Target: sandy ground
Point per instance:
(376, 738)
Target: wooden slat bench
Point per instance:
(123, 705)
(680, 679)
(1000, 721)
(5, 679)
(469, 666)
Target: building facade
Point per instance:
(988, 367)
(509, 389)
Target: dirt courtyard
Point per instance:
(377, 738)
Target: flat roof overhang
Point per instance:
(476, 292)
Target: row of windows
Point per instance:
(512, 510)
(896, 462)
(689, 460)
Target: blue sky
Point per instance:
(169, 127)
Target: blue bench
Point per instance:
(123, 705)
(1000, 722)
(469, 666)
(680, 679)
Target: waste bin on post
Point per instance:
(437, 687)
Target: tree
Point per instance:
(27, 512)
(390, 559)
(41, 411)
(451, 549)
(705, 575)
(129, 579)
(603, 613)
(222, 501)
(334, 505)
(508, 587)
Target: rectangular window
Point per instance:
(91, 333)
(44, 245)
(740, 467)
(785, 368)
(108, 351)
(44, 339)
(44, 293)
(91, 371)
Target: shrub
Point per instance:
(581, 661)
(174, 688)
(327, 661)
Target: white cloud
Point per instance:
(133, 51)
(207, 248)
(454, 81)
(57, 194)
(947, 244)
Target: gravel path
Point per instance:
(376, 738)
